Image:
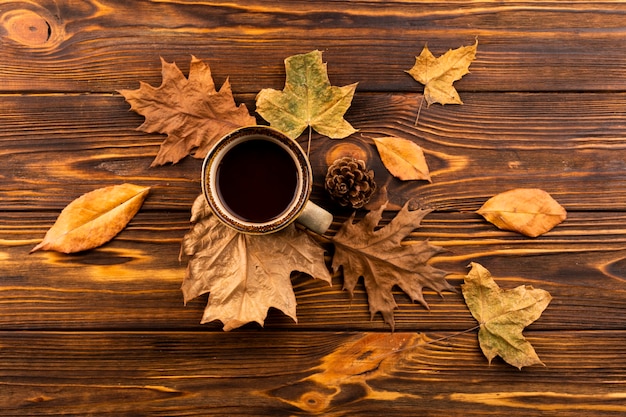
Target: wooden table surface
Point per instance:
(105, 332)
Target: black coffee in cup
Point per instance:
(257, 180)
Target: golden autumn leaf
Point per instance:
(308, 99)
(529, 211)
(383, 261)
(94, 218)
(189, 110)
(245, 274)
(503, 315)
(404, 159)
(438, 74)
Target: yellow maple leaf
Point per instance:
(438, 74)
(502, 315)
(308, 100)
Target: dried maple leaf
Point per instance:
(529, 211)
(94, 218)
(403, 158)
(438, 74)
(308, 99)
(384, 262)
(503, 315)
(190, 111)
(245, 274)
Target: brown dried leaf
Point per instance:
(503, 315)
(529, 211)
(438, 74)
(383, 261)
(245, 274)
(403, 158)
(94, 218)
(190, 111)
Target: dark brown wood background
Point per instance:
(105, 332)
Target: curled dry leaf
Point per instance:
(245, 274)
(383, 261)
(94, 218)
(529, 211)
(308, 99)
(503, 315)
(404, 159)
(438, 74)
(192, 113)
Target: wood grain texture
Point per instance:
(105, 332)
(285, 374)
(104, 46)
(492, 143)
(134, 281)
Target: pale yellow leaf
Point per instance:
(503, 315)
(438, 74)
(403, 158)
(529, 211)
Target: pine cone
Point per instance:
(349, 182)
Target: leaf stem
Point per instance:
(430, 342)
(308, 148)
(419, 110)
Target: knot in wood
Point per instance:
(26, 27)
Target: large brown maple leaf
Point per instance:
(245, 274)
(190, 111)
(384, 261)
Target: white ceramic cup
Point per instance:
(257, 180)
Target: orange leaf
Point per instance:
(190, 111)
(94, 218)
(403, 158)
(529, 211)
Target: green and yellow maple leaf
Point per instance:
(502, 315)
(307, 100)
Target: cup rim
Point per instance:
(240, 135)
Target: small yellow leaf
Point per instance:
(94, 218)
(403, 158)
(529, 211)
(438, 74)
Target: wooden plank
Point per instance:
(108, 45)
(134, 281)
(303, 373)
(492, 143)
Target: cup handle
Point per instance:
(315, 218)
